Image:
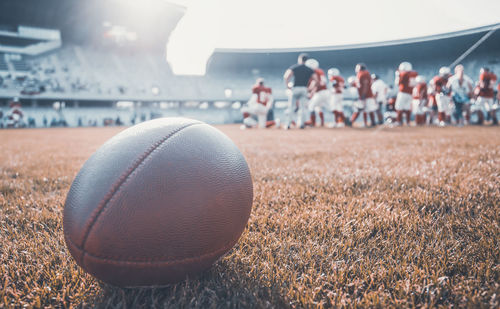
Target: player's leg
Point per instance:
(337, 108)
(492, 109)
(313, 103)
(399, 107)
(442, 105)
(290, 112)
(302, 100)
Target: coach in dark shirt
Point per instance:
(302, 76)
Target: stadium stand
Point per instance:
(88, 68)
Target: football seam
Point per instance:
(121, 180)
(160, 261)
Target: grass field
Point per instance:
(372, 218)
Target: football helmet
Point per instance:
(444, 71)
(351, 80)
(405, 66)
(312, 63)
(333, 72)
(484, 69)
(360, 67)
(420, 79)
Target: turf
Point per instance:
(371, 218)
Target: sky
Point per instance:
(273, 24)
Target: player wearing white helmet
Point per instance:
(441, 94)
(405, 80)
(461, 87)
(366, 100)
(419, 100)
(485, 95)
(337, 96)
(258, 107)
(319, 94)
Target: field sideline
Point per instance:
(387, 217)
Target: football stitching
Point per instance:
(125, 176)
(162, 260)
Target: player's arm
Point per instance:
(396, 78)
(287, 77)
(313, 83)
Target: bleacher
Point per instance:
(3, 63)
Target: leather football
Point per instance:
(159, 202)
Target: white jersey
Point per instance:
(380, 89)
(463, 89)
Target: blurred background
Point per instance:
(119, 62)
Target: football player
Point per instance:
(379, 89)
(485, 93)
(320, 96)
(258, 107)
(366, 99)
(441, 94)
(15, 116)
(337, 96)
(419, 100)
(302, 76)
(405, 80)
(461, 87)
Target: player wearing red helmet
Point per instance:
(405, 80)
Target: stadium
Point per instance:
(361, 216)
(53, 65)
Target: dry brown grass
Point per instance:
(404, 217)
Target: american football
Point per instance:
(249, 154)
(161, 200)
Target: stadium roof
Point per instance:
(446, 46)
(83, 21)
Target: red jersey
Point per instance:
(364, 83)
(406, 81)
(487, 81)
(337, 83)
(420, 91)
(322, 79)
(439, 83)
(262, 93)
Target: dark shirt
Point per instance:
(302, 74)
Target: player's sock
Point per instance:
(399, 118)
(440, 116)
(322, 118)
(312, 120)
(365, 119)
